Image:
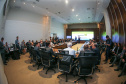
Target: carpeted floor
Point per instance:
(22, 72)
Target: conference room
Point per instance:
(62, 42)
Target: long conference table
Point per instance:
(76, 47)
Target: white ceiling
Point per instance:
(88, 11)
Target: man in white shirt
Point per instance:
(71, 51)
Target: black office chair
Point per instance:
(85, 67)
(43, 49)
(64, 52)
(48, 61)
(65, 65)
(31, 54)
(36, 58)
(91, 53)
(16, 55)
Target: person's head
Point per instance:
(115, 44)
(29, 41)
(6, 43)
(46, 40)
(119, 44)
(85, 47)
(17, 37)
(124, 48)
(40, 40)
(69, 44)
(48, 44)
(37, 44)
(94, 46)
(2, 39)
(125, 53)
(107, 37)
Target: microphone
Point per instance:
(77, 50)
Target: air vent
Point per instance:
(17, 7)
(88, 8)
(37, 0)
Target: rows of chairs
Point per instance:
(85, 66)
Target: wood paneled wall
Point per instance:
(102, 29)
(117, 15)
(96, 32)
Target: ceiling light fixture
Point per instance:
(33, 6)
(79, 19)
(72, 9)
(66, 1)
(14, 0)
(76, 15)
(24, 3)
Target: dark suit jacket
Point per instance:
(1, 46)
(119, 50)
(50, 50)
(97, 53)
(82, 52)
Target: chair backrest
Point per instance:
(91, 53)
(46, 58)
(65, 64)
(87, 61)
(34, 53)
(64, 52)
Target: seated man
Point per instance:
(117, 57)
(122, 62)
(97, 51)
(84, 50)
(71, 51)
(36, 48)
(49, 49)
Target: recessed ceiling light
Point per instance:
(33, 6)
(72, 9)
(66, 1)
(76, 15)
(79, 19)
(24, 3)
(14, 0)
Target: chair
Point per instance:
(64, 52)
(85, 67)
(89, 53)
(31, 54)
(36, 58)
(65, 65)
(48, 61)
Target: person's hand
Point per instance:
(120, 56)
(123, 60)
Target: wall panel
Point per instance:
(117, 15)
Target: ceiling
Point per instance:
(84, 11)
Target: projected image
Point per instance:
(84, 35)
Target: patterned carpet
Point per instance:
(22, 72)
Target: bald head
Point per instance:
(69, 44)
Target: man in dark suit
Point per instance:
(122, 63)
(97, 51)
(17, 44)
(108, 47)
(2, 51)
(48, 49)
(85, 50)
(36, 48)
